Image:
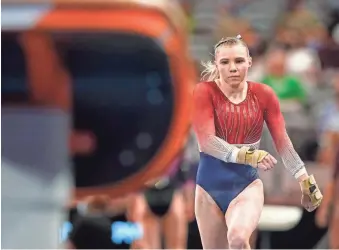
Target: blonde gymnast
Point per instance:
(229, 113)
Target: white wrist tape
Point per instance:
(300, 173)
(234, 154)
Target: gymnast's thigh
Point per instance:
(139, 212)
(211, 222)
(243, 213)
(175, 227)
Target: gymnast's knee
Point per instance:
(237, 239)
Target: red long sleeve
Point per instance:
(203, 113)
(276, 125)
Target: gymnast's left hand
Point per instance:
(311, 195)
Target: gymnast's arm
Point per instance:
(203, 125)
(276, 125)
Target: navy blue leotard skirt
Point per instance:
(223, 181)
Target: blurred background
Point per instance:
(97, 148)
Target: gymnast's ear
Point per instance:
(249, 61)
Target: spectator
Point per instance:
(329, 112)
(304, 63)
(287, 87)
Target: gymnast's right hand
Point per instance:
(256, 158)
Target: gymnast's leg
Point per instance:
(175, 225)
(243, 214)
(210, 219)
(139, 212)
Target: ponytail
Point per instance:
(210, 73)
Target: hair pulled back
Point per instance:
(210, 72)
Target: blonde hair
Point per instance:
(210, 73)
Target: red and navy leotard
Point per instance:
(237, 124)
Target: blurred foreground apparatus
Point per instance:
(101, 87)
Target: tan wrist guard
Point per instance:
(250, 156)
(309, 187)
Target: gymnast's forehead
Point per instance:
(231, 52)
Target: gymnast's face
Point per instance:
(233, 63)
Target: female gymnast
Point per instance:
(229, 113)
